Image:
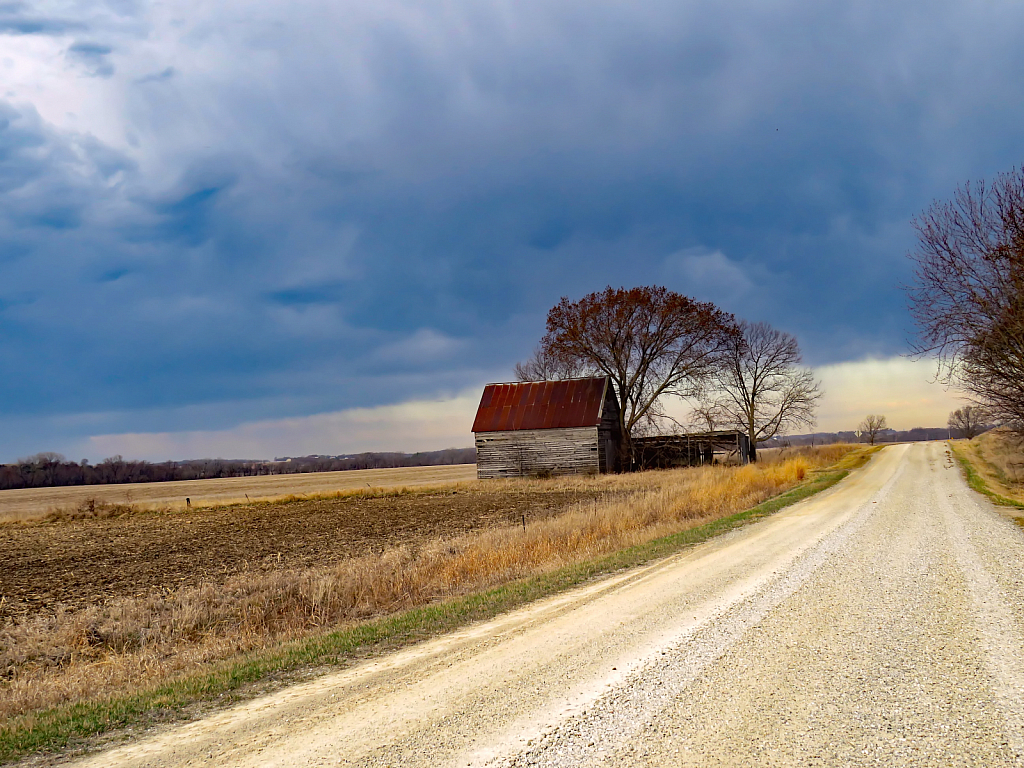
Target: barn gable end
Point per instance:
(547, 428)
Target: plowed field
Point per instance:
(80, 562)
(35, 503)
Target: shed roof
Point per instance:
(541, 405)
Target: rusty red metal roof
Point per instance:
(541, 405)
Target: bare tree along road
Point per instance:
(879, 623)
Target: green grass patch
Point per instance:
(77, 726)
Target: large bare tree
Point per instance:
(651, 341)
(968, 297)
(762, 390)
(968, 421)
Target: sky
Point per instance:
(254, 230)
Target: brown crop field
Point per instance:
(76, 563)
(35, 503)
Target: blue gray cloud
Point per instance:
(23, 19)
(93, 57)
(273, 211)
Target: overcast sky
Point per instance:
(258, 229)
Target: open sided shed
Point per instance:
(547, 428)
(690, 450)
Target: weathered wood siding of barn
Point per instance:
(609, 434)
(524, 452)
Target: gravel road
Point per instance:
(879, 623)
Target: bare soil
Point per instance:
(35, 503)
(81, 562)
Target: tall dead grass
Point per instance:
(996, 461)
(103, 650)
(1004, 450)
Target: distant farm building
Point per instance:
(547, 428)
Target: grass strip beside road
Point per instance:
(968, 461)
(82, 725)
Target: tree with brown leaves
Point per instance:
(651, 341)
(969, 294)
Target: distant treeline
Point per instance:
(47, 470)
(885, 436)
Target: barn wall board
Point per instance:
(525, 452)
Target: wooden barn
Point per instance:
(547, 428)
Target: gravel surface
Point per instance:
(879, 623)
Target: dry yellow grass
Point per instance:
(24, 504)
(1004, 450)
(998, 457)
(110, 649)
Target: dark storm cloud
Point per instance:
(93, 57)
(157, 77)
(21, 19)
(342, 191)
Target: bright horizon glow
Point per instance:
(899, 388)
(418, 425)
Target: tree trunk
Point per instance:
(625, 449)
